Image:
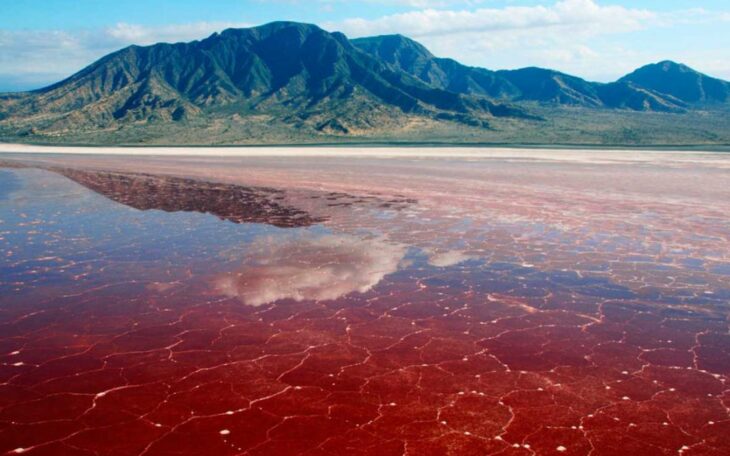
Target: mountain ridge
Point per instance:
(279, 65)
(303, 81)
(638, 90)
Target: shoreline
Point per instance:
(717, 159)
(394, 150)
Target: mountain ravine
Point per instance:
(288, 82)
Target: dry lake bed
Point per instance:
(364, 302)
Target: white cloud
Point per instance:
(402, 3)
(427, 3)
(137, 34)
(40, 57)
(576, 36)
(585, 16)
(322, 268)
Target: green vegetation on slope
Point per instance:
(290, 83)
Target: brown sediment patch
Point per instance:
(13, 164)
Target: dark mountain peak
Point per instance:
(679, 81)
(404, 54)
(533, 71)
(397, 51)
(669, 65)
(282, 34)
(660, 69)
(542, 74)
(278, 25)
(392, 44)
(270, 29)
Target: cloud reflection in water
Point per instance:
(444, 259)
(310, 268)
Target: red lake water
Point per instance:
(515, 305)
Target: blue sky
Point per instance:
(42, 41)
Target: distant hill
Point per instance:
(290, 82)
(404, 54)
(681, 82)
(666, 86)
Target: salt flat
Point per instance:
(588, 155)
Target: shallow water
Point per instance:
(364, 306)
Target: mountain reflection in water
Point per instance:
(235, 203)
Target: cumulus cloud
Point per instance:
(32, 58)
(427, 3)
(310, 268)
(403, 3)
(137, 34)
(557, 35)
(576, 36)
(584, 15)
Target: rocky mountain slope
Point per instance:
(665, 86)
(297, 72)
(289, 82)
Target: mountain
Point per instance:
(528, 84)
(665, 87)
(681, 82)
(404, 54)
(628, 95)
(293, 71)
(287, 82)
(539, 84)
